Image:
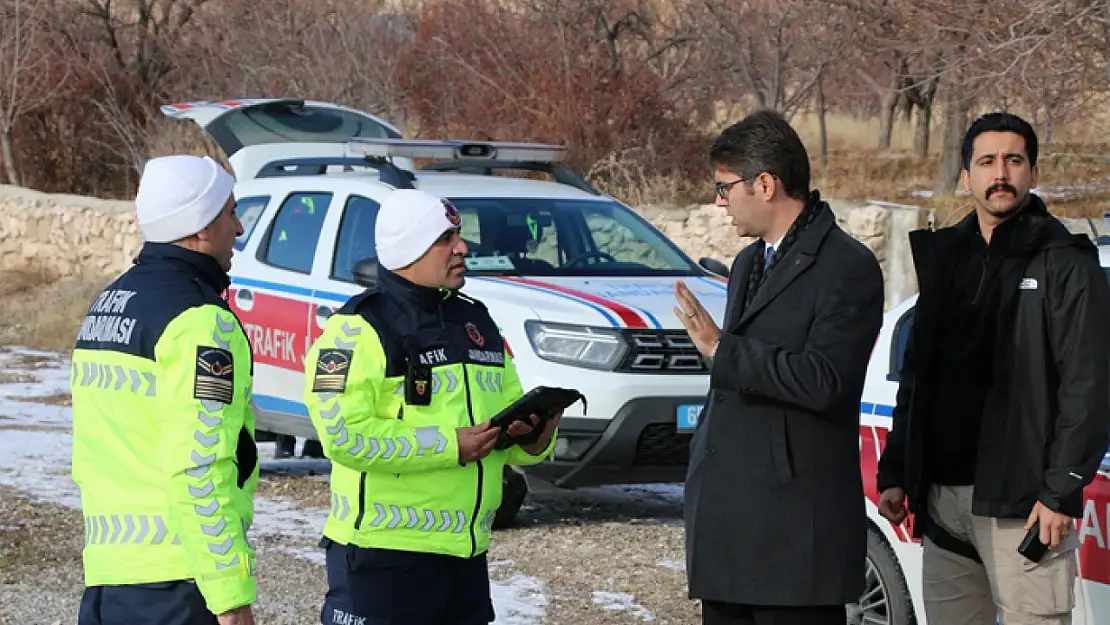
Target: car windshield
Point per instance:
(549, 237)
(282, 122)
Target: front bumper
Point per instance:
(639, 445)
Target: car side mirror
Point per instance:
(366, 272)
(714, 265)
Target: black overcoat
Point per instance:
(774, 503)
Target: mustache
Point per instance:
(1001, 186)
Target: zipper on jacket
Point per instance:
(478, 498)
(982, 277)
(361, 499)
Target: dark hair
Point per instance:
(999, 122)
(764, 142)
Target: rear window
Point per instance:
(248, 210)
(283, 122)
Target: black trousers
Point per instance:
(717, 613)
(162, 603)
(387, 587)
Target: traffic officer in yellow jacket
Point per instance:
(163, 433)
(400, 387)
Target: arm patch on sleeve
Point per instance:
(332, 367)
(215, 376)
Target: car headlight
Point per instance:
(581, 346)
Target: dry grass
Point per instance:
(40, 311)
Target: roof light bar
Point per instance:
(459, 150)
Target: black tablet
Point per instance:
(542, 401)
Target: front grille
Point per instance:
(661, 351)
(662, 445)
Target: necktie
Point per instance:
(767, 256)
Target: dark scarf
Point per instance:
(757, 276)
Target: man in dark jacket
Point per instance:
(1003, 409)
(775, 517)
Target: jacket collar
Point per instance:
(197, 264)
(1032, 228)
(423, 297)
(797, 260)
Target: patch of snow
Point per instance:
(673, 564)
(519, 600)
(278, 517)
(614, 493)
(622, 602)
(313, 555)
(37, 462)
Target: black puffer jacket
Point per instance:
(1046, 420)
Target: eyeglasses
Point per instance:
(723, 187)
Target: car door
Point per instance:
(351, 230)
(272, 291)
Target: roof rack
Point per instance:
(472, 157)
(476, 157)
(453, 149)
(318, 166)
(561, 175)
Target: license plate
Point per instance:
(688, 415)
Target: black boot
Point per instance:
(284, 446)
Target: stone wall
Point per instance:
(707, 231)
(67, 234)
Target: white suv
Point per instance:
(579, 283)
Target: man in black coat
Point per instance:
(774, 506)
(1003, 408)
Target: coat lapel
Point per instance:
(800, 257)
(742, 269)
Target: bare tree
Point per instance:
(29, 75)
(773, 50)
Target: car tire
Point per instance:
(514, 489)
(886, 596)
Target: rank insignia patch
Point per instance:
(331, 371)
(215, 378)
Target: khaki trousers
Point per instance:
(1006, 586)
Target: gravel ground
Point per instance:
(595, 569)
(606, 555)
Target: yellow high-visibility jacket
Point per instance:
(396, 479)
(163, 434)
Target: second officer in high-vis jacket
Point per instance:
(163, 433)
(400, 388)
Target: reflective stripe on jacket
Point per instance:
(396, 480)
(163, 433)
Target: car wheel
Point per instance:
(886, 597)
(514, 488)
(312, 449)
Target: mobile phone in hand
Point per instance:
(1031, 546)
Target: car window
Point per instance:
(899, 341)
(356, 237)
(296, 230)
(248, 210)
(550, 237)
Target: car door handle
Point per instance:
(244, 299)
